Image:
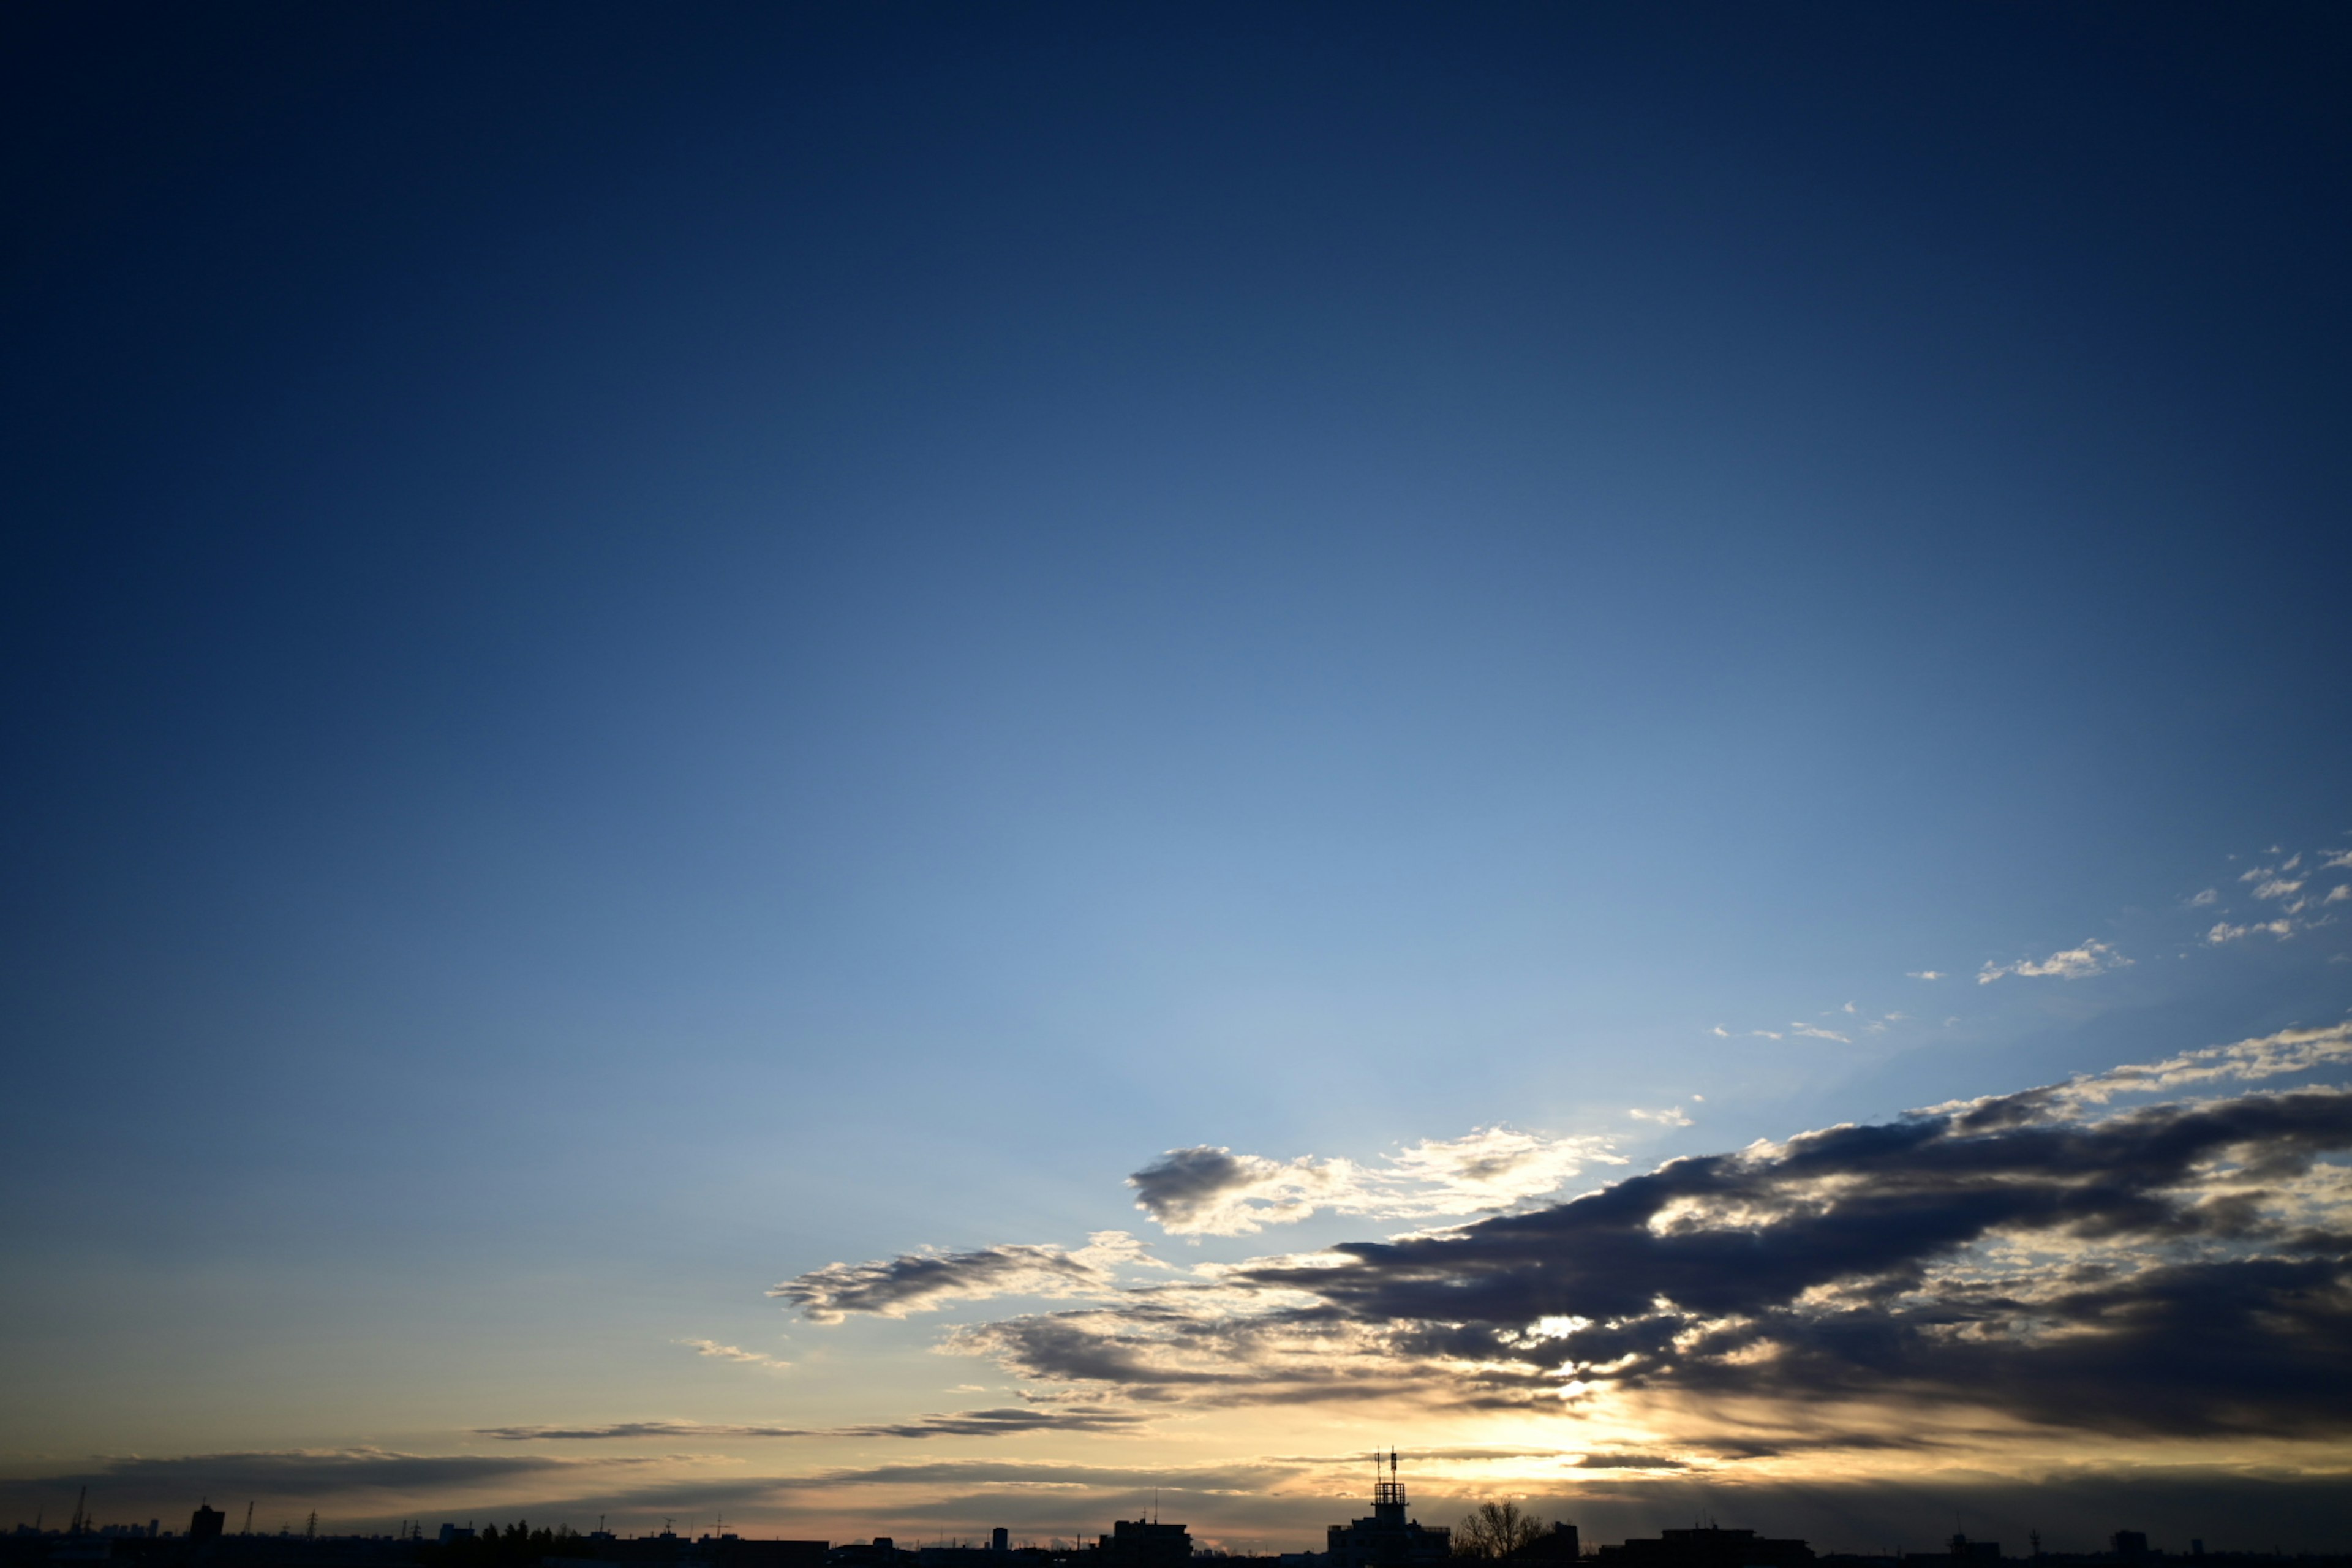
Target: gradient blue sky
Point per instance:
(649, 648)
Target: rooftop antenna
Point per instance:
(248, 1516)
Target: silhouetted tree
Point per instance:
(1495, 1529)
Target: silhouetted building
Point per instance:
(734, 1552)
(206, 1523)
(882, 1553)
(1707, 1547)
(2131, 1545)
(1388, 1539)
(1143, 1543)
(1558, 1544)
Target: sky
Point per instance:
(885, 769)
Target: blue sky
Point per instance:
(645, 653)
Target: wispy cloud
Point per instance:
(1206, 1191)
(307, 1472)
(1672, 1116)
(2209, 897)
(2223, 931)
(1820, 1034)
(2285, 1053)
(1488, 1169)
(1926, 973)
(925, 1282)
(717, 1351)
(1001, 1423)
(1209, 1190)
(2093, 957)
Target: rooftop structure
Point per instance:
(1147, 1543)
(1389, 1539)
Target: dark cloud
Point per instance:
(642, 1430)
(1631, 1462)
(893, 1287)
(996, 1423)
(1476, 1452)
(2181, 1269)
(2181, 1292)
(1001, 1423)
(1205, 1191)
(306, 1473)
(923, 1281)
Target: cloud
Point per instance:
(1820, 1034)
(713, 1349)
(2335, 859)
(1672, 1116)
(1488, 1168)
(1206, 1191)
(2038, 1258)
(313, 1472)
(2287, 1052)
(926, 1281)
(1926, 973)
(2338, 893)
(2277, 888)
(2223, 931)
(2094, 957)
(1009, 1422)
(2210, 896)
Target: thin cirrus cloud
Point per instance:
(717, 1351)
(2093, 957)
(1211, 1191)
(925, 1282)
(2181, 1268)
(309, 1471)
(1001, 1423)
